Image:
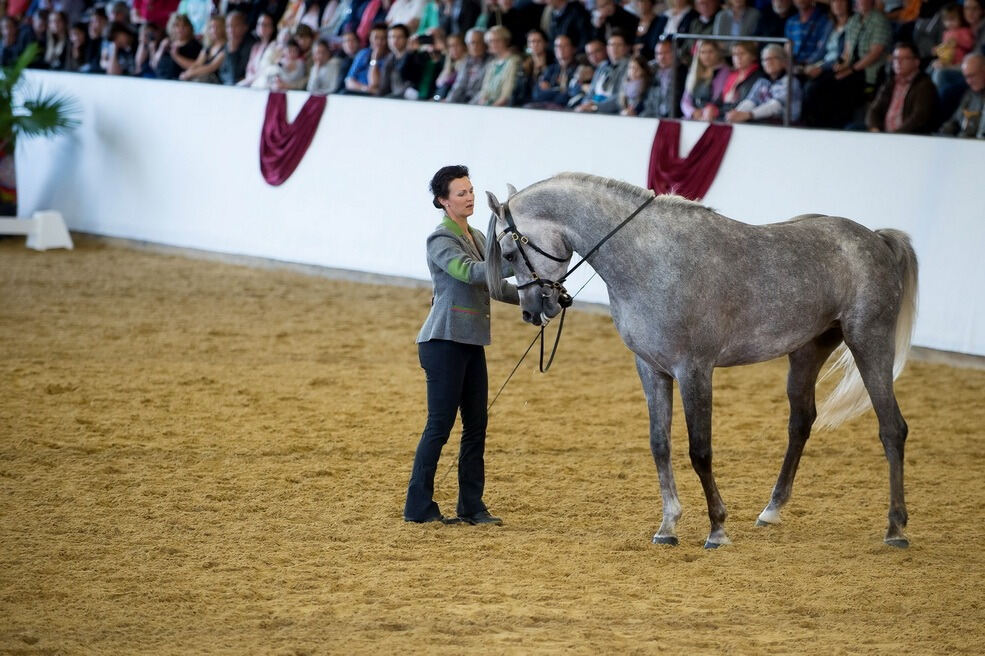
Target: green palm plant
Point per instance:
(27, 113)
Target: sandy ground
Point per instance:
(197, 457)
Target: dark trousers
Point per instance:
(456, 377)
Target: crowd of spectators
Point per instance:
(913, 66)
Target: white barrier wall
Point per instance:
(178, 164)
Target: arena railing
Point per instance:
(786, 43)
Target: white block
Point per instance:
(46, 229)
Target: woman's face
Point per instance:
(56, 25)
(772, 63)
(461, 199)
(265, 28)
(972, 11)
(184, 30)
(77, 36)
(497, 45)
(741, 58)
(708, 55)
(636, 71)
(839, 8)
(536, 45)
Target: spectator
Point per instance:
(406, 12)
(974, 15)
(34, 30)
(744, 75)
(667, 86)
(737, 19)
(56, 43)
(595, 53)
(534, 64)
(608, 16)
(585, 73)
(468, 82)
(956, 41)
(808, 31)
(430, 51)
(178, 51)
(820, 104)
(119, 12)
(907, 101)
(78, 40)
(569, 17)
(305, 36)
(707, 15)
(558, 83)
(206, 66)
(608, 79)
(454, 62)
(239, 45)
(967, 119)
(501, 71)
(401, 72)
(293, 72)
(649, 29)
(327, 73)
(122, 59)
(773, 19)
(704, 84)
(262, 54)
(8, 40)
(96, 44)
(364, 74)
(461, 16)
(519, 18)
(768, 99)
(632, 95)
(679, 15)
(148, 39)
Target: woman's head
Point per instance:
(774, 60)
(639, 68)
(744, 54)
(841, 9)
(973, 12)
(322, 52)
(498, 40)
(452, 191)
(536, 43)
(709, 56)
(180, 28)
(215, 31)
(305, 36)
(58, 24)
(456, 47)
(265, 27)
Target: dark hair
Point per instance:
(618, 34)
(954, 9)
(400, 27)
(442, 179)
(117, 28)
(379, 27)
(304, 31)
(907, 45)
(543, 34)
(324, 43)
(292, 43)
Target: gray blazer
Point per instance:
(460, 307)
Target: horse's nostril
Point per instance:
(526, 315)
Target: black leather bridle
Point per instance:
(547, 285)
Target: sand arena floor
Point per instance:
(197, 457)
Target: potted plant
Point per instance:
(29, 114)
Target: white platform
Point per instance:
(44, 230)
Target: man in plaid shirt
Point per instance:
(808, 29)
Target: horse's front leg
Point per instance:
(696, 395)
(659, 388)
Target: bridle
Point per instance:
(547, 285)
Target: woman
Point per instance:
(453, 64)
(649, 29)
(704, 84)
(501, 71)
(178, 51)
(450, 348)
(206, 66)
(57, 44)
(633, 91)
(262, 52)
(745, 72)
(736, 19)
(538, 58)
(767, 100)
(820, 106)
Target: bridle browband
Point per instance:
(547, 285)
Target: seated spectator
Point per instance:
(821, 106)
(634, 89)
(907, 101)
(119, 12)
(737, 19)
(262, 52)
(967, 119)
(293, 72)
(679, 15)
(518, 17)
(667, 86)
(569, 17)
(767, 100)
(468, 82)
(773, 18)
(367, 65)
(743, 76)
(649, 29)
(407, 13)
(8, 40)
(595, 53)
(808, 31)
(96, 43)
(34, 30)
(460, 16)
(78, 41)
(430, 52)
(537, 59)
(178, 51)
(239, 45)
(705, 83)
(501, 70)
(327, 74)
(206, 66)
(451, 67)
(122, 54)
(401, 72)
(56, 43)
(834, 45)
(608, 16)
(707, 14)
(558, 83)
(305, 36)
(585, 74)
(608, 79)
(957, 40)
(974, 15)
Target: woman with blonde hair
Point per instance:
(177, 52)
(206, 66)
(704, 84)
(501, 71)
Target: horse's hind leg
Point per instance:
(659, 389)
(696, 395)
(805, 364)
(874, 359)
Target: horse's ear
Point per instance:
(493, 202)
(511, 191)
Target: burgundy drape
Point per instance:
(689, 176)
(283, 144)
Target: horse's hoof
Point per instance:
(669, 540)
(714, 545)
(760, 522)
(768, 517)
(899, 543)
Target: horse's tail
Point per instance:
(494, 260)
(849, 398)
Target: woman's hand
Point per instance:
(736, 116)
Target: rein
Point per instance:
(546, 285)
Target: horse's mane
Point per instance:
(638, 193)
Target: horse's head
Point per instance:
(536, 251)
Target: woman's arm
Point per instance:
(200, 69)
(182, 61)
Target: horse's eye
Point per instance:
(508, 257)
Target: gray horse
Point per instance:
(691, 290)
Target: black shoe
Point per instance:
(482, 518)
(435, 518)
